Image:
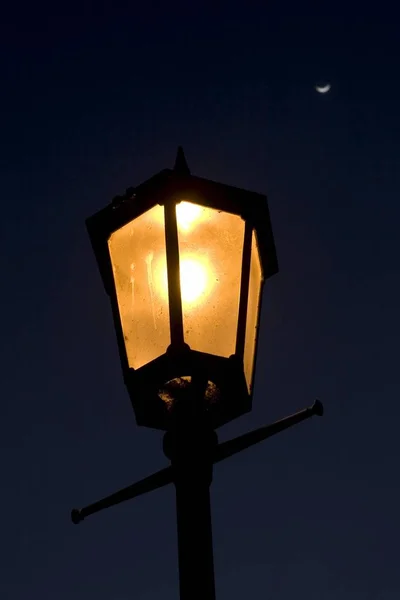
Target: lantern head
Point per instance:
(183, 260)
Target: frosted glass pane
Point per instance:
(138, 255)
(252, 311)
(210, 254)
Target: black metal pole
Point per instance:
(195, 546)
(190, 446)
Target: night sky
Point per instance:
(95, 99)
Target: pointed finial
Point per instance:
(181, 165)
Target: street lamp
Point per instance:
(183, 260)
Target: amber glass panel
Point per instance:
(137, 253)
(253, 307)
(210, 255)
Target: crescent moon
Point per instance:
(322, 89)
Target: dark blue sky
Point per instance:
(95, 99)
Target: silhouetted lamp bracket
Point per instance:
(184, 260)
(219, 452)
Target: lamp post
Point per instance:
(184, 260)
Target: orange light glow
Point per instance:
(196, 281)
(210, 244)
(187, 215)
(195, 277)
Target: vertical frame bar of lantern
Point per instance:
(244, 292)
(173, 274)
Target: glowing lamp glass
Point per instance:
(253, 309)
(210, 249)
(137, 252)
(210, 261)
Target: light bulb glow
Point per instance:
(196, 279)
(187, 215)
